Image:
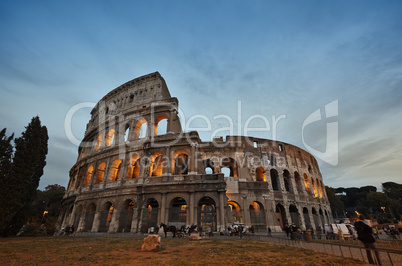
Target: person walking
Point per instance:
(364, 233)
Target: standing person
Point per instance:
(287, 230)
(269, 231)
(364, 233)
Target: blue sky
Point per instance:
(277, 57)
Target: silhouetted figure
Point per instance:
(364, 233)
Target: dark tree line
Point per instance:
(21, 167)
(384, 206)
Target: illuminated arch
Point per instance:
(260, 174)
(306, 182)
(134, 167)
(156, 164)
(109, 137)
(235, 211)
(314, 188)
(319, 187)
(115, 170)
(180, 161)
(88, 176)
(98, 142)
(100, 172)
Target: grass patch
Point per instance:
(127, 251)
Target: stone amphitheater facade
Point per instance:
(136, 168)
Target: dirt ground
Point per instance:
(127, 251)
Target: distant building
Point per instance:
(136, 168)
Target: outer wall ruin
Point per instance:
(137, 169)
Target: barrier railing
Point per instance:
(386, 256)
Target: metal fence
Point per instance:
(386, 256)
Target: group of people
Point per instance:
(392, 232)
(68, 230)
(239, 230)
(291, 230)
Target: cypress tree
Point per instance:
(6, 153)
(27, 168)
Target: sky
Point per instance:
(315, 70)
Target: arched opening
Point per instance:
(98, 142)
(141, 129)
(208, 166)
(126, 216)
(100, 172)
(319, 188)
(326, 217)
(89, 217)
(156, 165)
(178, 212)
(180, 159)
(324, 191)
(316, 219)
(298, 181)
(88, 176)
(235, 211)
(260, 174)
(126, 132)
(160, 125)
(287, 180)
(77, 217)
(73, 182)
(207, 214)
(106, 217)
(314, 188)
(134, 167)
(257, 216)
(231, 165)
(150, 215)
(109, 138)
(306, 183)
(319, 230)
(209, 171)
(79, 180)
(115, 170)
(306, 218)
(274, 179)
(281, 215)
(294, 215)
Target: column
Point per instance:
(221, 227)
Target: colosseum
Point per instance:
(136, 168)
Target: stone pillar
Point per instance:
(96, 223)
(114, 223)
(221, 226)
(301, 217)
(192, 209)
(293, 186)
(168, 169)
(134, 222)
(246, 211)
(192, 160)
(163, 209)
